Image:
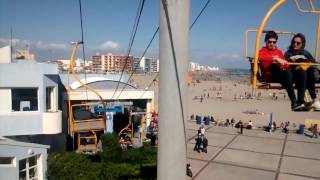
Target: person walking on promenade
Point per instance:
(274, 126)
(201, 130)
(241, 127)
(197, 146)
(315, 131)
(189, 172)
(233, 122)
(204, 144)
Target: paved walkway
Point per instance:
(254, 155)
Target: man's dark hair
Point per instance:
(269, 35)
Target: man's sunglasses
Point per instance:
(272, 42)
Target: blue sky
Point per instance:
(48, 26)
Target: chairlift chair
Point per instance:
(256, 75)
(87, 126)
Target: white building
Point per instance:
(79, 64)
(139, 64)
(197, 67)
(29, 99)
(151, 65)
(29, 108)
(20, 160)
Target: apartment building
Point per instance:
(111, 63)
(151, 65)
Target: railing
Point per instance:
(89, 124)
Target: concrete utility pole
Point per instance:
(171, 147)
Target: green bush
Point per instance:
(121, 171)
(111, 163)
(111, 148)
(71, 166)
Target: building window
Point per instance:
(28, 168)
(6, 160)
(50, 99)
(24, 99)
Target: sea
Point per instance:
(233, 73)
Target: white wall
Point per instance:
(20, 152)
(5, 101)
(107, 94)
(30, 123)
(52, 122)
(5, 54)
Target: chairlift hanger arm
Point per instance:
(246, 38)
(258, 38)
(74, 125)
(311, 5)
(74, 50)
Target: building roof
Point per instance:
(10, 142)
(96, 81)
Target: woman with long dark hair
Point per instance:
(297, 53)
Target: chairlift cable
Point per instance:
(133, 34)
(204, 7)
(83, 49)
(150, 84)
(134, 68)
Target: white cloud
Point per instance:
(51, 46)
(235, 56)
(109, 45)
(21, 43)
(15, 42)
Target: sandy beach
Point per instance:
(230, 105)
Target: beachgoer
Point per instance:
(202, 129)
(232, 122)
(204, 144)
(274, 66)
(250, 125)
(274, 126)
(197, 146)
(189, 172)
(241, 127)
(227, 123)
(212, 119)
(285, 129)
(305, 79)
(315, 131)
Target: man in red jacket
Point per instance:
(275, 68)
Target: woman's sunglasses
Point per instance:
(296, 42)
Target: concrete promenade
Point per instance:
(253, 155)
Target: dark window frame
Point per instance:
(25, 94)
